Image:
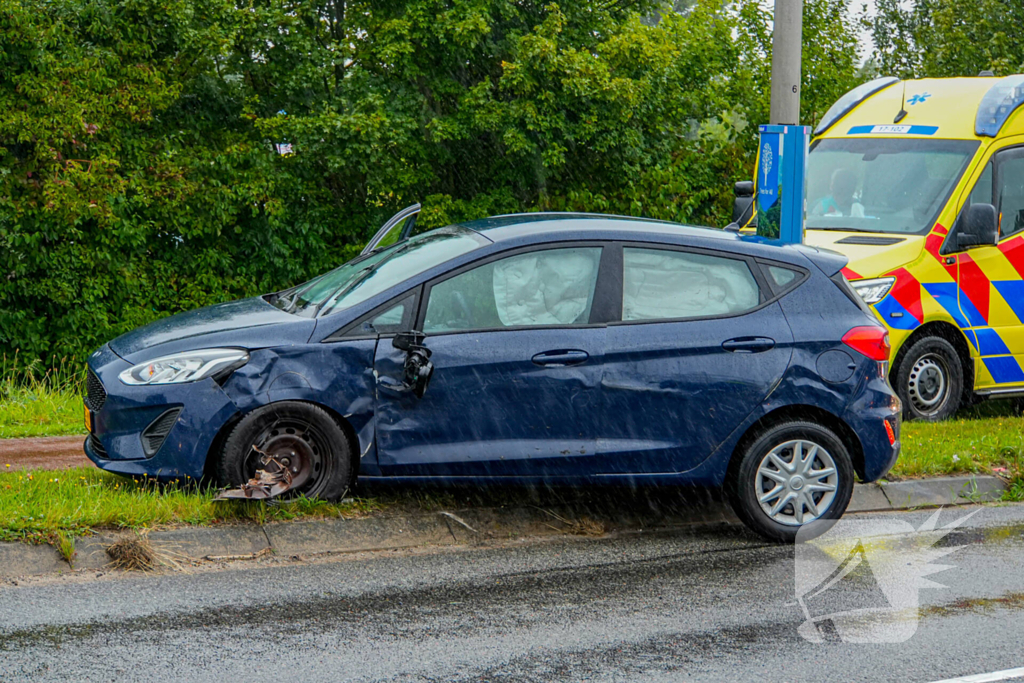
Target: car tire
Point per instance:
(930, 380)
(304, 437)
(754, 475)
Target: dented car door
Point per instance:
(515, 389)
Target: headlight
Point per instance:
(188, 366)
(873, 291)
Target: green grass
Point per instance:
(43, 506)
(976, 441)
(35, 402)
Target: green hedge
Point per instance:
(138, 169)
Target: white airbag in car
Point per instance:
(552, 288)
(660, 285)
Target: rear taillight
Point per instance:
(870, 340)
(890, 432)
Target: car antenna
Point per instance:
(903, 106)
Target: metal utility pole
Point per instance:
(787, 41)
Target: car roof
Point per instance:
(522, 229)
(518, 225)
(515, 230)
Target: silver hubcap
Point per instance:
(927, 383)
(796, 482)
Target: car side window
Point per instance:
(537, 288)
(1010, 191)
(660, 284)
(782, 277)
(391, 319)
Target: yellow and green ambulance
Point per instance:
(921, 184)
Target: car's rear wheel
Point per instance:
(930, 380)
(302, 437)
(791, 475)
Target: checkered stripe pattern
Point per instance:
(986, 302)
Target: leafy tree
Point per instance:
(159, 156)
(945, 38)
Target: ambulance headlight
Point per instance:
(873, 291)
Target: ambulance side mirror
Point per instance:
(743, 204)
(979, 227)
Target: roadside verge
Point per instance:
(469, 526)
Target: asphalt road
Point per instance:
(711, 604)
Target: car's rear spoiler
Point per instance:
(830, 262)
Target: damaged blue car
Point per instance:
(546, 348)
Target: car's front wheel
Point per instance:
(300, 436)
(789, 476)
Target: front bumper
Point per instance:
(118, 425)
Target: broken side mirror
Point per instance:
(979, 227)
(418, 369)
(406, 341)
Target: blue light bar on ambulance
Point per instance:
(998, 103)
(847, 102)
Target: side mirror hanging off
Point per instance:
(979, 227)
(418, 369)
(406, 341)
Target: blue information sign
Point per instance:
(781, 178)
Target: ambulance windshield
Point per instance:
(882, 184)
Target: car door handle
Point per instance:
(561, 357)
(749, 344)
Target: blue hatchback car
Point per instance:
(554, 348)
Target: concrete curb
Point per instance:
(918, 493)
(460, 527)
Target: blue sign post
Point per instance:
(781, 182)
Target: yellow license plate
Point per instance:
(88, 419)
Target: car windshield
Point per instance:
(371, 274)
(882, 184)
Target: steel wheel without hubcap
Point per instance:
(796, 482)
(927, 384)
(297, 445)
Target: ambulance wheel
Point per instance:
(930, 380)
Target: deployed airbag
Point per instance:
(660, 284)
(550, 288)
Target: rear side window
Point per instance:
(661, 284)
(781, 277)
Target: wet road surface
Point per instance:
(708, 604)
